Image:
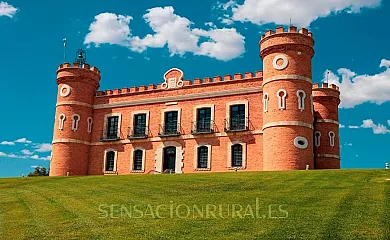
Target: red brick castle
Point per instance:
(275, 119)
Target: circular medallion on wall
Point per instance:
(301, 142)
(64, 91)
(284, 60)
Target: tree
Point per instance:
(39, 171)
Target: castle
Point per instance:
(275, 119)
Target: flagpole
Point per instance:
(64, 40)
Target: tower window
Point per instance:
(265, 102)
(236, 155)
(90, 121)
(301, 99)
(112, 127)
(317, 139)
(75, 122)
(281, 94)
(110, 161)
(331, 138)
(203, 155)
(138, 155)
(61, 120)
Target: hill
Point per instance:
(342, 204)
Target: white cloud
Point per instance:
(7, 10)
(341, 126)
(301, 12)
(35, 157)
(357, 89)
(43, 147)
(377, 128)
(388, 122)
(22, 140)
(170, 30)
(7, 143)
(353, 127)
(26, 152)
(348, 144)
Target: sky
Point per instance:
(135, 42)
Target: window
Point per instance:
(90, 121)
(112, 127)
(317, 139)
(203, 155)
(301, 99)
(138, 160)
(331, 138)
(140, 124)
(237, 117)
(61, 120)
(312, 103)
(110, 161)
(75, 122)
(265, 102)
(171, 123)
(237, 155)
(204, 120)
(281, 94)
(301, 142)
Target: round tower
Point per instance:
(287, 105)
(326, 126)
(77, 86)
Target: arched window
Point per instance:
(75, 122)
(265, 102)
(331, 138)
(281, 94)
(237, 155)
(90, 121)
(301, 99)
(110, 161)
(138, 155)
(312, 103)
(61, 120)
(203, 157)
(317, 139)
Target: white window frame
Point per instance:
(281, 99)
(312, 103)
(119, 115)
(90, 122)
(61, 120)
(195, 114)
(301, 99)
(317, 139)
(244, 154)
(196, 148)
(265, 102)
(115, 160)
(147, 112)
(75, 123)
(238, 102)
(332, 136)
(132, 160)
(172, 109)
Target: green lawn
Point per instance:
(343, 204)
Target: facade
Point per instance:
(275, 119)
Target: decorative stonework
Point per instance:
(284, 63)
(64, 91)
(173, 79)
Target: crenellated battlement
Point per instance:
(326, 85)
(291, 29)
(187, 83)
(77, 65)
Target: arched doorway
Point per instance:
(169, 159)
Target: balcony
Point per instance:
(106, 137)
(236, 124)
(138, 132)
(169, 129)
(202, 127)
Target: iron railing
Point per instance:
(236, 124)
(169, 129)
(104, 137)
(140, 131)
(201, 127)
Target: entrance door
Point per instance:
(169, 158)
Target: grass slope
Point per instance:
(346, 204)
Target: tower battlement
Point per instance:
(291, 29)
(77, 65)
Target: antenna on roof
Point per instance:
(327, 76)
(290, 20)
(64, 40)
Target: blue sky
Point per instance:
(135, 42)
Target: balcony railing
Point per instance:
(202, 127)
(105, 137)
(169, 129)
(236, 124)
(138, 132)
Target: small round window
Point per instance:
(301, 142)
